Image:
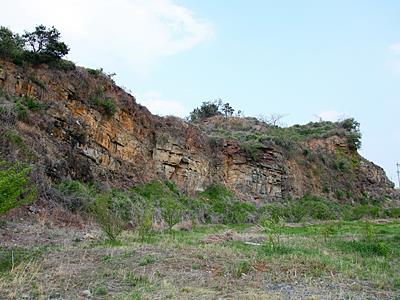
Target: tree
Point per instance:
(272, 119)
(227, 110)
(11, 45)
(45, 41)
(206, 110)
(353, 133)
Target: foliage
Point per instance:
(10, 258)
(253, 134)
(107, 106)
(353, 135)
(16, 187)
(13, 139)
(224, 206)
(206, 110)
(105, 211)
(165, 197)
(11, 45)
(210, 109)
(241, 267)
(45, 43)
(42, 45)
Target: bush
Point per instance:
(76, 195)
(107, 106)
(11, 45)
(224, 207)
(171, 211)
(251, 148)
(16, 187)
(107, 215)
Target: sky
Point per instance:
(306, 59)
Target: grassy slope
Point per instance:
(347, 259)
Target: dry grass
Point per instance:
(180, 265)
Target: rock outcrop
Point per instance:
(75, 136)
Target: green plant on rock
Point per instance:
(16, 187)
(107, 106)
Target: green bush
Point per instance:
(107, 106)
(11, 45)
(393, 212)
(105, 210)
(16, 187)
(21, 111)
(241, 267)
(224, 207)
(76, 195)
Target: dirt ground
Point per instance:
(70, 259)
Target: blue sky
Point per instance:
(298, 58)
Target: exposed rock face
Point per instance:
(75, 138)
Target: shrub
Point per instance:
(21, 111)
(11, 45)
(95, 72)
(393, 212)
(107, 215)
(251, 148)
(223, 205)
(206, 110)
(241, 267)
(107, 106)
(76, 195)
(16, 187)
(171, 211)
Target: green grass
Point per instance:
(11, 258)
(177, 265)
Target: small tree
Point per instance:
(353, 133)
(227, 110)
(107, 215)
(171, 211)
(206, 110)
(16, 188)
(46, 41)
(11, 45)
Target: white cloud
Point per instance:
(106, 33)
(155, 102)
(330, 115)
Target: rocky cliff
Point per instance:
(78, 124)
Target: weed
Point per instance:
(10, 258)
(241, 267)
(136, 280)
(270, 249)
(147, 261)
(100, 291)
(136, 296)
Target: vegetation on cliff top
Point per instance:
(42, 45)
(253, 134)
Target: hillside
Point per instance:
(77, 124)
(123, 204)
